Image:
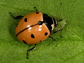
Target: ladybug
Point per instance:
(34, 28)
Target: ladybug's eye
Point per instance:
(25, 19)
(46, 33)
(32, 36)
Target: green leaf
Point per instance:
(68, 46)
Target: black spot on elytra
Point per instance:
(25, 19)
(46, 33)
(25, 42)
(32, 36)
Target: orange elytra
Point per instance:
(32, 35)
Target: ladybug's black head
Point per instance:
(49, 22)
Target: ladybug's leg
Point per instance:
(17, 17)
(56, 31)
(36, 10)
(53, 33)
(30, 50)
(52, 38)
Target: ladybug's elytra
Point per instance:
(35, 27)
(29, 31)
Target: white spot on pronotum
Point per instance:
(52, 26)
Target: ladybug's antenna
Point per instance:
(36, 10)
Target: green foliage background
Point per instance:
(69, 44)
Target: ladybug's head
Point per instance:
(50, 22)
